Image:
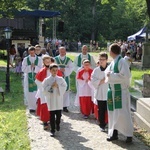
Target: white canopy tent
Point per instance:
(137, 35)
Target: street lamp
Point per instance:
(8, 33)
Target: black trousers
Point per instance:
(102, 108)
(55, 117)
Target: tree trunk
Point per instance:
(93, 24)
(148, 7)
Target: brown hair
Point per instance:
(37, 46)
(31, 48)
(103, 54)
(53, 66)
(115, 48)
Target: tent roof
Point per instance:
(38, 13)
(133, 37)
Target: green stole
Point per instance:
(79, 60)
(31, 76)
(63, 64)
(117, 103)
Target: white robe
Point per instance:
(120, 119)
(84, 88)
(100, 92)
(67, 72)
(30, 99)
(40, 93)
(76, 67)
(54, 100)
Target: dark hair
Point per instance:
(31, 48)
(53, 66)
(103, 54)
(115, 48)
(52, 60)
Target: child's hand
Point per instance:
(55, 84)
(32, 66)
(102, 81)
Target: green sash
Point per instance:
(117, 103)
(31, 76)
(63, 64)
(79, 60)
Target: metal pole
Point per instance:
(54, 32)
(7, 72)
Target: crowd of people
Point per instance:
(102, 89)
(134, 48)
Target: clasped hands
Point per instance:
(55, 85)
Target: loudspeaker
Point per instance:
(60, 26)
(43, 29)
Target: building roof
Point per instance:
(38, 13)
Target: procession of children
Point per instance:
(102, 89)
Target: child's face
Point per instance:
(47, 62)
(53, 71)
(86, 66)
(102, 61)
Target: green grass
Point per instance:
(13, 119)
(137, 74)
(3, 62)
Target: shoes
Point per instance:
(52, 134)
(102, 129)
(65, 109)
(85, 117)
(112, 138)
(57, 127)
(45, 127)
(32, 111)
(129, 140)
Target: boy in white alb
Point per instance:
(98, 81)
(54, 89)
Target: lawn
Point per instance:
(13, 119)
(3, 62)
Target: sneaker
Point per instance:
(57, 127)
(112, 138)
(65, 109)
(45, 127)
(52, 134)
(102, 129)
(85, 117)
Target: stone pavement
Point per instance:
(76, 133)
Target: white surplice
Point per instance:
(120, 119)
(100, 91)
(68, 70)
(40, 93)
(54, 97)
(30, 98)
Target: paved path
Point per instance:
(76, 133)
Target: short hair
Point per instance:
(86, 61)
(37, 46)
(115, 48)
(31, 48)
(53, 66)
(46, 57)
(61, 47)
(103, 54)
